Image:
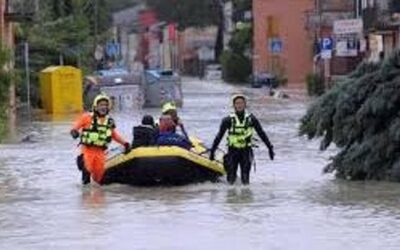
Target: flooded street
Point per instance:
(289, 204)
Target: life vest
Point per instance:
(240, 133)
(98, 134)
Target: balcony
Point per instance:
(375, 18)
(394, 6)
(336, 5)
(21, 10)
(315, 20)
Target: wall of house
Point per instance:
(286, 20)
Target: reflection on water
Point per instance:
(372, 195)
(289, 204)
(239, 196)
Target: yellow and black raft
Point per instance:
(163, 166)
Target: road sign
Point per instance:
(326, 54)
(348, 26)
(206, 53)
(326, 48)
(113, 49)
(346, 48)
(99, 52)
(327, 43)
(275, 45)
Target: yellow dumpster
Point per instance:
(61, 89)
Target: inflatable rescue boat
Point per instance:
(163, 166)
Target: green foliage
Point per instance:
(242, 4)
(186, 13)
(64, 29)
(235, 67)
(361, 116)
(241, 40)
(315, 85)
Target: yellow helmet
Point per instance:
(236, 96)
(168, 106)
(101, 97)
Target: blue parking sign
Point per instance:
(327, 43)
(275, 45)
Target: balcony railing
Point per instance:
(21, 10)
(315, 20)
(394, 6)
(336, 5)
(376, 18)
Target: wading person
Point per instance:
(96, 131)
(240, 126)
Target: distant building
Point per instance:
(381, 26)
(346, 53)
(127, 26)
(6, 27)
(196, 47)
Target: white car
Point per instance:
(213, 72)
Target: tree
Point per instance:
(360, 115)
(64, 30)
(236, 61)
(186, 13)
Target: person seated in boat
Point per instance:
(145, 134)
(169, 108)
(167, 135)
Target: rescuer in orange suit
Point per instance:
(96, 131)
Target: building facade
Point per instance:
(282, 44)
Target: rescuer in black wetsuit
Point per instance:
(240, 126)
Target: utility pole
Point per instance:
(27, 79)
(96, 27)
(219, 46)
(96, 20)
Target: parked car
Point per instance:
(213, 72)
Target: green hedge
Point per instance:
(236, 68)
(315, 84)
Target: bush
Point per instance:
(235, 67)
(315, 84)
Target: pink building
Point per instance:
(282, 45)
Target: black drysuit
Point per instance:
(239, 156)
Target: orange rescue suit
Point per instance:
(95, 157)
